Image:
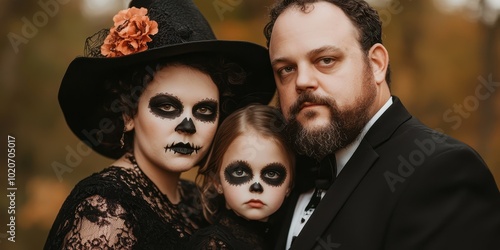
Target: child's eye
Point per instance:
(238, 173)
(274, 174)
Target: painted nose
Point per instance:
(256, 187)
(186, 126)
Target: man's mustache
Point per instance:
(308, 96)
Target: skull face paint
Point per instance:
(174, 125)
(254, 176)
(274, 174)
(240, 172)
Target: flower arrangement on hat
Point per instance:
(151, 95)
(131, 33)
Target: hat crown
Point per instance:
(179, 21)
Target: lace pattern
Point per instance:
(121, 208)
(231, 232)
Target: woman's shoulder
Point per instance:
(110, 180)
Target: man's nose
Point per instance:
(306, 78)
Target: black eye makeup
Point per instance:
(166, 106)
(206, 110)
(238, 173)
(273, 174)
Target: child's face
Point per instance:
(255, 176)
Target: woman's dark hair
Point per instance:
(363, 17)
(266, 121)
(127, 85)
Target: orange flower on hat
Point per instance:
(130, 33)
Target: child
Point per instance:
(248, 174)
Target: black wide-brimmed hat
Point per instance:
(180, 29)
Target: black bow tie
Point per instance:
(327, 172)
(314, 174)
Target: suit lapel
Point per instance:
(336, 196)
(351, 175)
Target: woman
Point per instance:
(150, 95)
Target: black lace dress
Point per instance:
(121, 208)
(230, 232)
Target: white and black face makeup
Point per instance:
(255, 176)
(170, 107)
(177, 117)
(241, 173)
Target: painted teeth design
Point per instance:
(183, 148)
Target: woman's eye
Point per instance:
(205, 111)
(165, 105)
(168, 108)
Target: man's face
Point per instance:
(324, 80)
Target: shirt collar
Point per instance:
(343, 155)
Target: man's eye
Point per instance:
(285, 70)
(327, 61)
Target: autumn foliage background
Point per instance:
(441, 63)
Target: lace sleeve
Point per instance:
(99, 224)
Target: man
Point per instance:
(399, 185)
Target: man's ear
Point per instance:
(378, 58)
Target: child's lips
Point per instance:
(255, 203)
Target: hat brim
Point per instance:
(82, 91)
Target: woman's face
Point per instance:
(255, 176)
(176, 119)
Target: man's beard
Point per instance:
(344, 127)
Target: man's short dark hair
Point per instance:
(363, 16)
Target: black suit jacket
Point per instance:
(405, 187)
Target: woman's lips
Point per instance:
(183, 148)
